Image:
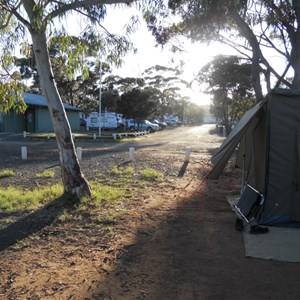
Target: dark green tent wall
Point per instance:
(282, 203)
(269, 151)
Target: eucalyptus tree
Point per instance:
(139, 103)
(228, 80)
(10, 85)
(254, 28)
(168, 81)
(41, 20)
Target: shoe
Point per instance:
(239, 225)
(258, 230)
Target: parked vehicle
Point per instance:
(141, 125)
(161, 125)
(82, 122)
(107, 121)
(172, 120)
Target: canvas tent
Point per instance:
(268, 136)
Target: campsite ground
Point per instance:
(173, 238)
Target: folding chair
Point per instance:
(250, 203)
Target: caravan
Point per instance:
(107, 121)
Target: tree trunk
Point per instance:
(247, 33)
(73, 180)
(295, 52)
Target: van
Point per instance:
(107, 121)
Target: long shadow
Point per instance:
(34, 222)
(194, 253)
(216, 131)
(91, 150)
(183, 169)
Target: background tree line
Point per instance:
(156, 94)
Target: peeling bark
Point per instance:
(73, 180)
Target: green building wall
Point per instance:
(40, 116)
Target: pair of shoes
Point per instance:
(258, 230)
(239, 225)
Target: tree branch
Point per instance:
(83, 4)
(12, 11)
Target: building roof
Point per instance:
(39, 100)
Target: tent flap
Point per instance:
(223, 154)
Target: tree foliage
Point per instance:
(228, 80)
(39, 21)
(139, 104)
(170, 85)
(253, 28)
(193, 113)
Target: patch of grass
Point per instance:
(127, 172)
(115, 171)
(161, 185)
(63, 216)
(127, 139)
(107, 194)
(46, 174)
(13, 199)
(7, 173)
(20, 245)
(151, 174)
(105, 205)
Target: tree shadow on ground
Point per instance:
(216, 131)
(193, 253)
(34, 222)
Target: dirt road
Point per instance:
(177, 242)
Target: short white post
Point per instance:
(79, 153)
(126, 134)
(131, 154)
(73, 137)
(24, 152)
(48, 136)
(114, 136)
(187, 154)
(94, 136)
(87, 128)
(24, 134)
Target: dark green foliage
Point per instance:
(139, 103)
(228, 80)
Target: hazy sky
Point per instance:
(148, 55)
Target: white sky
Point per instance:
(148, 55)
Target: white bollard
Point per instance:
(94, 136)
(48, 136)
(187, 154)
(24, 134)
(114, 136)
(131, 154)
(24, 152)
(88, 128)
(79, 153)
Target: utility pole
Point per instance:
(100, 86)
